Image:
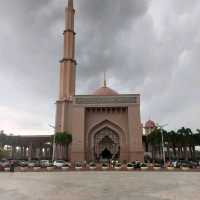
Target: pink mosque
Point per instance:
(104, 124)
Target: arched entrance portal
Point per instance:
(106, 144)
(106, 154)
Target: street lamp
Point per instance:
(54, 141)
(163, 150)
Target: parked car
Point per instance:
(17, 163)
(1, 168)
(4, 163)
(33, 163)
(194, 164)
(46, 163)
(174, 163)
(59, 163)
(181, 163)
(23, 163)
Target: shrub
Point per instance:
(129, 165)
(157, 165)
(92, 164)
(78, 164)
(118, 165)
(143, 165)
(104, 165)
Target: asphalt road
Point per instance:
(100, 186)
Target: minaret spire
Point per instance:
(70, 4)
(68, 63)
(104, 81)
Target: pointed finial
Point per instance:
(104, 82)
(70, 4)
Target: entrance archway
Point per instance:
(106, 154)
(106, 144)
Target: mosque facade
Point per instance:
(104, 124)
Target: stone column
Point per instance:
(30, 152)
(45, 152)
(21, 152)
(13, 151)
(25, 152)
(39, 153)
(33, 153)
(51, 152)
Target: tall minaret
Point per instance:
(68, 63)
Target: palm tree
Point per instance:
(167, 142)
(182, 142)
(197, 137)
(173, 142)
(187, 141)
(62, 140)
(155, 140)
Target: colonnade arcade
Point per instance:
(28, 147)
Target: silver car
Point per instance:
(59, 163)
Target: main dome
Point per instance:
(105, 91)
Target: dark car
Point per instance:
(23, 163)
(185, 163)
(194, 164)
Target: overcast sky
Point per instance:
(151, 47)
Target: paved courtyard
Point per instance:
(100, 186)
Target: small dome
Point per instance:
(150, 124)
(105, 91)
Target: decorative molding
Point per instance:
(68, 59)
(69, 30)
(106, 100)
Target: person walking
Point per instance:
(12, 166)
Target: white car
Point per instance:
(59, 163)
(174, 163)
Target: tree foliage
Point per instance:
(63, 138)
(181, 141)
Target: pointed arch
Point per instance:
(109, 124)
(97, 129)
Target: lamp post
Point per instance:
(54, 141)
(163, 146)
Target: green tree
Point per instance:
(155, 141)
(62, 140)
(182, 142)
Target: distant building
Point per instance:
(149, 127)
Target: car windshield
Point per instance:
(60, 161)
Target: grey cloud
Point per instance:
(148, 47)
